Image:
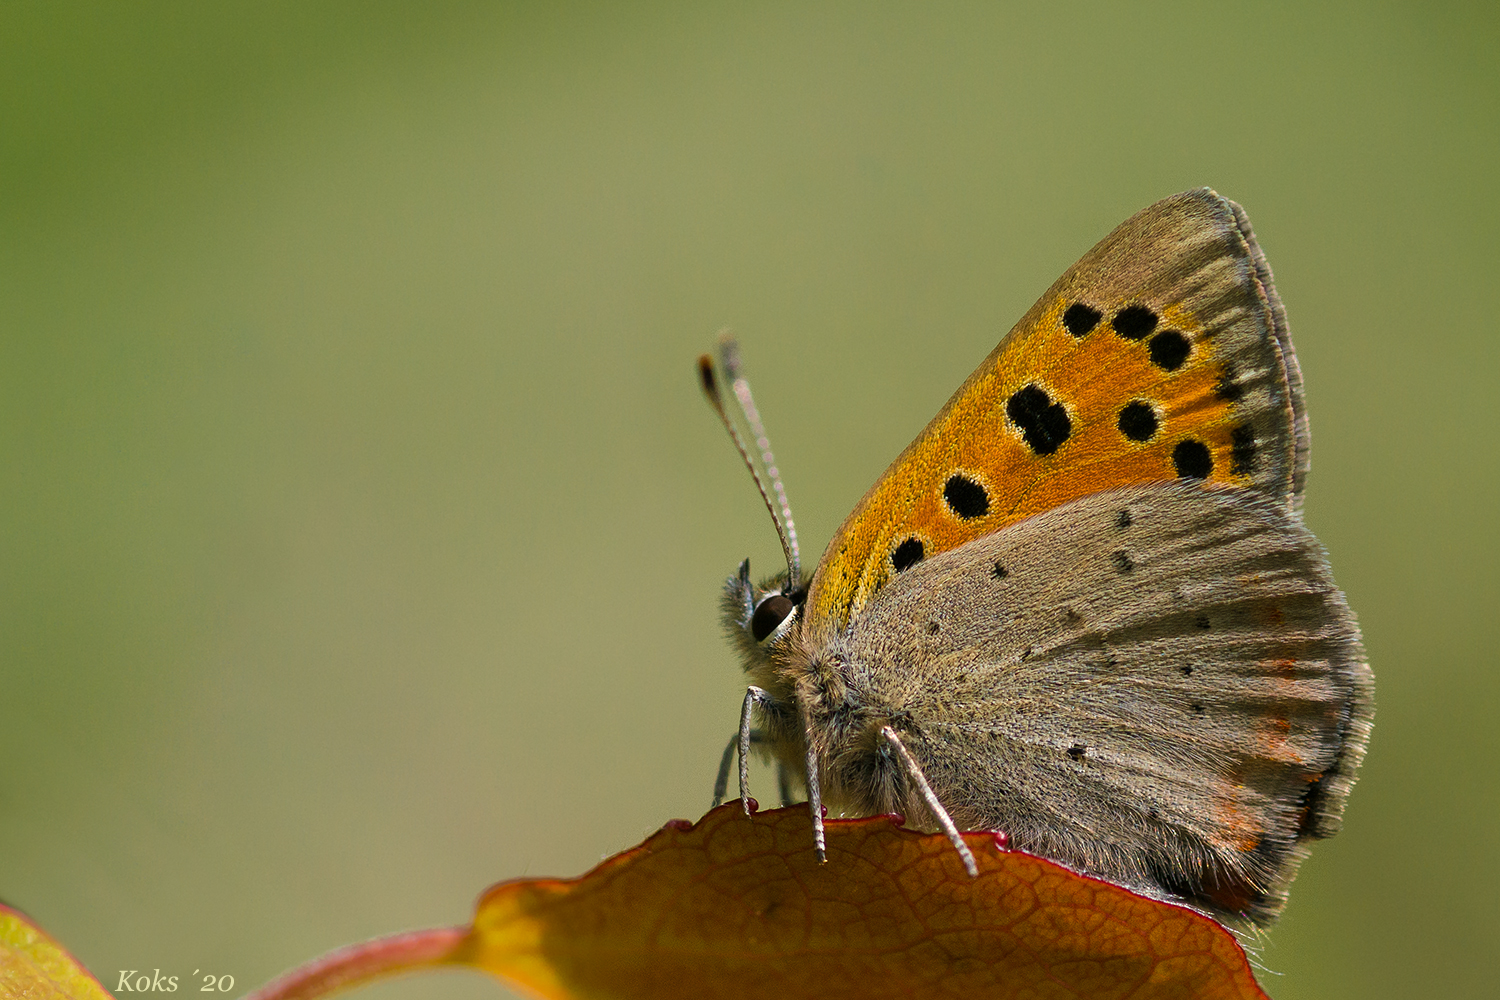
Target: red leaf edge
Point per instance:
(380, 958)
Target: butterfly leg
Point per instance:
(814, 791)
(753, 696)
(721, 783)
(920, 780)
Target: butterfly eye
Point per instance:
(769, 613)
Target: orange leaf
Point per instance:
(735, 906)
(35, 967)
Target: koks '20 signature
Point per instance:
(136, 981)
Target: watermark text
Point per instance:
(139, 981)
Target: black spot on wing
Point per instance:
(965, 497)
(1080, 319)
(1228, 387)
(1123, 562)
(1138, 421)
(1242, 446)
(1192, 460)
(1044, 424)
(1169, 349)
(1134, 322)
(907, 554)
(1311, 805)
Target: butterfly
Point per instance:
(1082, 607)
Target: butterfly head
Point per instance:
(760, 616)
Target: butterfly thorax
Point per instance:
(817, 688)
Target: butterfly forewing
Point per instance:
(1161, 355)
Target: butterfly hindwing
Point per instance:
(1162, 354)
(1162, 684)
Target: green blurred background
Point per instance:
(361, 524)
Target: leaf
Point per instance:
(736, 906)
(35, 967)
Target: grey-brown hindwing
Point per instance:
(1159, 685)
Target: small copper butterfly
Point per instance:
(1081, 607)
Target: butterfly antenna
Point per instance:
(785, 529)
(729, 354)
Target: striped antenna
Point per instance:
(782, 517)
(729, 355)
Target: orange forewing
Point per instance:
(1093, 377)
